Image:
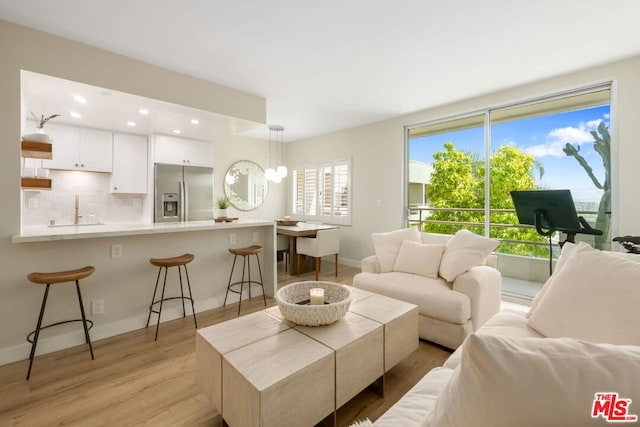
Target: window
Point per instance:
(322, 192)
(559, 142)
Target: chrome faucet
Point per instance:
(77, 216)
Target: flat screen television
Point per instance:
(553, 209)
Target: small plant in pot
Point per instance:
(223, 204)
(40, 136)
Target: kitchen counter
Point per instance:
(72, 232)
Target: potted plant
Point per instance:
(223, 204)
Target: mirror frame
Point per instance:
(245, 167)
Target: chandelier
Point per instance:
(276, 170)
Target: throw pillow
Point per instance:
(593, 297)
(505, 381)
(567, 250)
(387, 246)
(416, 258)
(463, 251)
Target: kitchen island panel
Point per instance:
(125, 284)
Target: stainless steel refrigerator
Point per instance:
(183, 193)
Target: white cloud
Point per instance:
(542, 150)
(556, 139)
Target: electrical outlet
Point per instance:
(116, 251)
(137, 202)
(97, 307)
(33, 203)
(256, 237)
(233, 239)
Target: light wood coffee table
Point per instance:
(261, 370)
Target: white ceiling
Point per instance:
(119, 111)
(334, 64)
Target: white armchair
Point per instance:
(326, 242)
(449, 310)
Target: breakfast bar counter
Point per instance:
(124, 279)
(91, 231)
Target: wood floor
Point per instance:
(135, 381)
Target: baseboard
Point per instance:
(349, 262)
(98, 332)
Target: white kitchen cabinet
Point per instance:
(182, 151)
(80, 149)
(129, 164)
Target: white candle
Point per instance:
(317, 296)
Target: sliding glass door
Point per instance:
(447, 175)
(461, 170)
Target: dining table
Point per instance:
(300, 229)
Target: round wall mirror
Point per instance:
(245, 184)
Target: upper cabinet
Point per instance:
(129, 164)
(80, 149)
(181, 151)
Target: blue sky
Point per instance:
(542, 137)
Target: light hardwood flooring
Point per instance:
(135, 381)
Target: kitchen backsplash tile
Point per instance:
(96, 201)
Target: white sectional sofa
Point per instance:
(452, 280)
(572, 360)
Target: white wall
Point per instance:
(234, 148)
(378, 164)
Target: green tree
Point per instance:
(602, 146)
(454, 184)
(458, 181)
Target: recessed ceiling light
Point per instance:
(130, 123)
(143, 111)
(75, 114)
(80, 99)
(177, 131)
(195, 121)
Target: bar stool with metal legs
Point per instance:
(245, 253)
(179, 261)
(49, 279)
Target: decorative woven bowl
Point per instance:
(291, 301)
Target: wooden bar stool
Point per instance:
(179, 261)
(49, 279)
(245, 253)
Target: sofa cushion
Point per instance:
(420, 259)
(507, 322)
(584, 299)
(514, 381)
(435, 238)
(387, 245)
(463, 251)
(416, 405)
(433, 297)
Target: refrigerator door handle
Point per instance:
(185, 200)
(181, 201)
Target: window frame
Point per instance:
(318, 216)
(488, 111)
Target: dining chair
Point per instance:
(326, 242)
(283, 246)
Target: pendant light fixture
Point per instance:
(277, 173)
